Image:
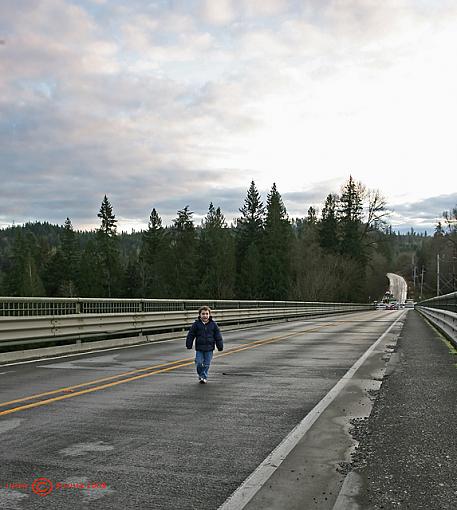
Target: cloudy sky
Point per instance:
(170, 103)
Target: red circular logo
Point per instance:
(42, 486)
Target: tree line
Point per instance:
(341, 254)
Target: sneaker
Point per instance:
(204, 381)
(201, 381)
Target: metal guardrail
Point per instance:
(39, 320)
(24, 306)
(442, 312)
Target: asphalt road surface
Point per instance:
(132, 428)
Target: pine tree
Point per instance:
(61, 272)
(54, 273)
(217, 254)
(108, 250)
(69, 243)
(23, 278)
(276, 248)
(312, 216)
(249, 232)
(250, 225)
(108, 220)
(92, 281)
(328, 226)
(132, 285)
(251, 274)
(71, 255)
(350, 218)
(183, 255)
(153, 258)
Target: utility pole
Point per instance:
(413, 264)
(437, 274)
(422, 282)
(454, 258)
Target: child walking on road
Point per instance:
(206, 334)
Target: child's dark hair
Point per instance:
(202, 308)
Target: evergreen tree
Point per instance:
(217, 254)
(342, 256)
(54, 273)
(108, 220)
(328, 226)
(251, 274)
(249, 231)
(153, 259)
(72, 255)
(92, 272)
(351, 242)
(350, 218)
(70, 248)
(23, 278)
(276, 249)
(62, 270)
(108, 250)
(251, 222)
(132, 284)
(183, 255)
(312, 216)
(214, 219)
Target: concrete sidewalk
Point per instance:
(407, 455)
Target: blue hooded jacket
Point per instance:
(206, 336)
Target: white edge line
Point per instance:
(254, 482)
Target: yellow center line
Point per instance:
(90, 390)
(94, 381)
(169, 367)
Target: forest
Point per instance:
(340, 253)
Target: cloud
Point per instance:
(423, 214)
(298, 202)
(224, 12)
(180, 102)
(218, 13)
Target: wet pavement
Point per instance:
(132, 428)
(149, 436)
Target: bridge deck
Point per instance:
(136, 419)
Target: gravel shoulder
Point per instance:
(407, 454)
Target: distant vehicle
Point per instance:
(409, 303)
(393, 306)
(389, 302)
